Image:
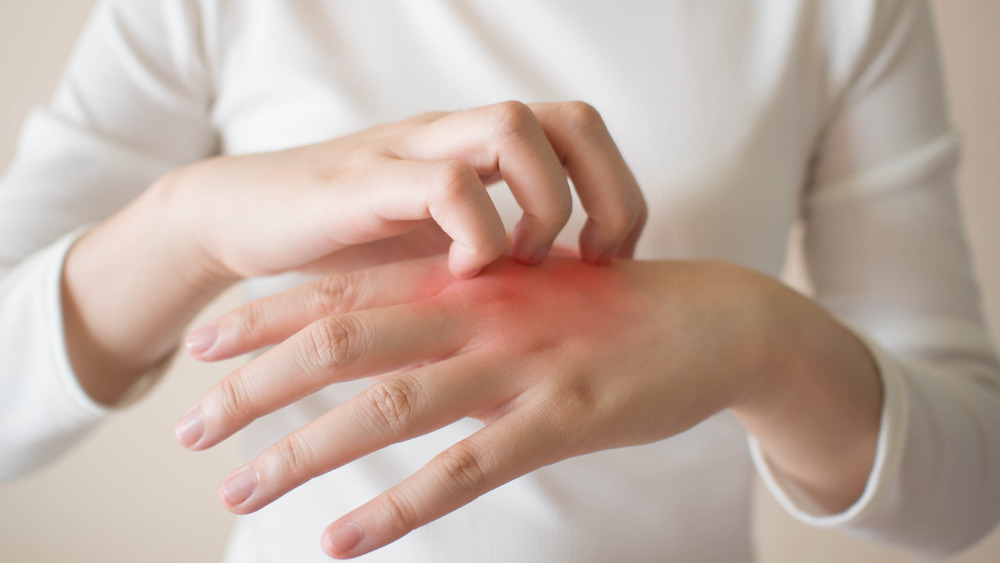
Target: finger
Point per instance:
(273, 319)
(616, 210)
(451, 193)
(627, 248)
(333, 349)
(500, 452)
(505, 139)
(425, 240)
(392, 410)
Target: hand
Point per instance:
(396, 191)
(297, 209)
(556, 361)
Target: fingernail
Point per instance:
(240, 485)
(202, 340)
(343, 538)
(191, 427)
(540, 254)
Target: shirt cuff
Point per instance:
(66, 378)
(63, 380)
(888, 456)
(43, 408)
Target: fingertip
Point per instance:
(466, 275)
(338, 541)
(201, 342)
(606, 258)
(527, 251)
(221, 495)
(625, 251)
(595, 248)
(327, 545)
(537, 257)
(465, 263)
(598, 257)
(191, 428)
(237, 488)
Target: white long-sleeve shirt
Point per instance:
(738, 118)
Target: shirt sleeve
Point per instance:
(886, 252)
(132, 105)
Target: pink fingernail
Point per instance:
(191, 427)
(240, 485)
(202, 340)
(342, 539)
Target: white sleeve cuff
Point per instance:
(63, 370)
(888, 456)
(57, 378)
(43, 408)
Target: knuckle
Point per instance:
(333, 343)
(294, 455)
(512, 118)
(581, 117)
(571, 406)
(334, 294)
(578, 396)
(457, 178)
(398, 515)
(249, 322)
(462, 471)
(622, 218)
(235, 397)
(391, 404)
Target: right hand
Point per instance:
(299, 209)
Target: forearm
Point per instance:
(814, 407)
(129, 288)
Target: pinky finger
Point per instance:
(502, 451)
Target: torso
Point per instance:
(716, 107)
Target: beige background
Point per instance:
(129, 493)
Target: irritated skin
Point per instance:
(567, 358)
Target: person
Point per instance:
(524, 407)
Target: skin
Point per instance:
(685, 338)
(556, 360)
(395, 191)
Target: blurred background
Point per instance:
(130, 493)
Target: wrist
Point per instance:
(776, 353)
(129, 287)
(171, 206)
(815, 400)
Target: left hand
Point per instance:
(556, 360)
